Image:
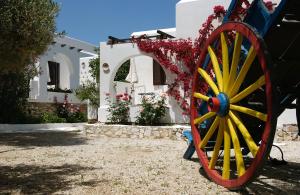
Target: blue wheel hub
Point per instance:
(219, 104)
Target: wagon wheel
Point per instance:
(233, 134)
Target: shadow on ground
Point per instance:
(29, 179)
(280, 179)
(272, 179)
(42, 139)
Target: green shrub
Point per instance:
(153, 109)
(69, 112)
(28, 119)
(119, 110)
(76, 117)
(52, 118)
(89, 91)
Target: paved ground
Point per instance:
(70, 163)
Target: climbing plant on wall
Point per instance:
(186, 52)
(170, 53)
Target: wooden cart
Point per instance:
(252, 74)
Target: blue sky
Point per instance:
(94, 20)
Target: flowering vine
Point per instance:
(171, 54)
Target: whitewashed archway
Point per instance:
(66, 70)
(115, 56)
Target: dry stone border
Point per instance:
(288, 132)
(133, 131)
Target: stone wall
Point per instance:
(135, 132)
(288, 132)
(35, 109)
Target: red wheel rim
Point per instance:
(269, 127)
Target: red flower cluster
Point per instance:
(219, 11)
(240, 10)
(171, 53)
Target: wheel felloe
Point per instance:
(298, 114)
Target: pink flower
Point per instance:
(119, 95)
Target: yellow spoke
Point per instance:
(209, 81)
(201, 96)
(209, 133)
(245, 68)
(204, 117)
(259, 83)
(249, 111)
(250, 143)
(237, 148)
(216, 66)
(235, 58)
(225, 61)
(217, 147)
(226, 158)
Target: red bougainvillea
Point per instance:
(180, 56)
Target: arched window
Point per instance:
(123, 72)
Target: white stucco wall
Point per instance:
(84, 70)
(67, 52)
(115, 56)
(191, 14)
(287, 117)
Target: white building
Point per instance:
(63, 67)
(190, 15)
(85, 75)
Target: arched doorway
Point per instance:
(146, 75)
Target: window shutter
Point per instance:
(159, 76)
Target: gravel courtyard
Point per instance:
(71, 163)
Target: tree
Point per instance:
(95, 66)
(123, 72)
(27, 27)
(90, 89)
